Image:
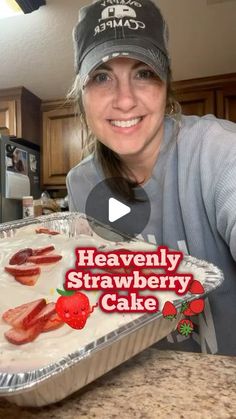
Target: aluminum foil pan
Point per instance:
(55, 381)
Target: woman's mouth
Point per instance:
(125, 124)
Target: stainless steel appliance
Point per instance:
(19, 176)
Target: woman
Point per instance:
(186, 165)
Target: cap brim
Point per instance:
(146, 52)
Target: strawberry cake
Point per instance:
(33, 265)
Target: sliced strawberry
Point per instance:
(21, 336)
(53, 232)
(42, 250)
(42, 230)
(45, 230)
(23, 270)
(20, 257)
(54, 322)
(52, 258)
(10, 315)
(44, 314)
(25, 317)
(27, 279)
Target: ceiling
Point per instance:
(36, 49)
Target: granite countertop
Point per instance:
(153, 385)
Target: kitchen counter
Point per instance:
(152, 385)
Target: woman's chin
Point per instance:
(127, 151)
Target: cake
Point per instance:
(52, 346)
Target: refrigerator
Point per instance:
(19, 176)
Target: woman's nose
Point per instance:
(124, 96)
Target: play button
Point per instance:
(118, 214)
(116, 210)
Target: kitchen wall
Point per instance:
(36, 49)
(202, 36)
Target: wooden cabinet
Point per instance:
(226, 103)
(197, 103)
(215, 95)
(8, 117)
(20, 114)
(61, 142)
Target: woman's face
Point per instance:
(124, 103)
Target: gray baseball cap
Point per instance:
(112, 28)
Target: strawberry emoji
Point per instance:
(196, 287)
(169, 311)
(189, 312)
(185, 327)
(73, 309)
(186, 310)
(197, 306)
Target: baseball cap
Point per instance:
(111, 28)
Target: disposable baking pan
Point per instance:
(53, 382)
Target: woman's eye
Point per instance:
(146, 74)
(101, 78)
